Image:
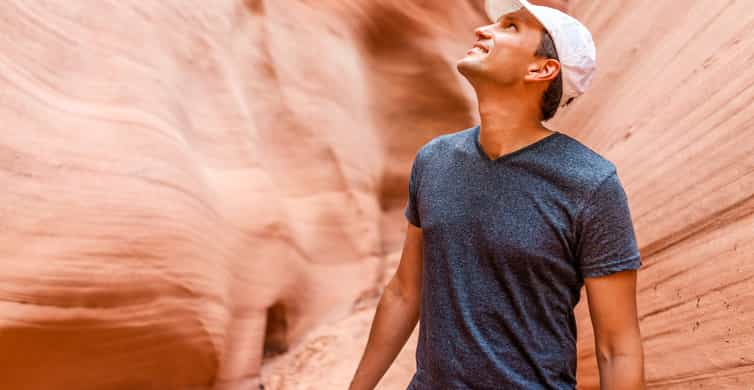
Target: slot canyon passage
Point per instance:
(209, 195)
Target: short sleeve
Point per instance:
(411, 211)
(605, 231)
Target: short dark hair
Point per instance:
(551, 96)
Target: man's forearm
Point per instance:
(394, 320)
(622, 372)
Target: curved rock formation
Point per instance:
(192, 188)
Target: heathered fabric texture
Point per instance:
(507, 243)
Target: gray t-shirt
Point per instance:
(506, 245)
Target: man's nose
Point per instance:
(482, 33)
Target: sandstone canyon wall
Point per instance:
(679, 126)
(191, 190)
(190, 187)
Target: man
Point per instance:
(507, 221)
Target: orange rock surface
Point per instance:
(208, 196)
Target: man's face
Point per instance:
(503, 50)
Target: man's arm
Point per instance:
(617, 338)
(396, 316)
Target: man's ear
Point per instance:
(543, 69)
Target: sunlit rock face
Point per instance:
(667, 110)
(193, 189)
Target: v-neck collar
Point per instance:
(508, 156)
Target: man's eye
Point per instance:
(508, 25)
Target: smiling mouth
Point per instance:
(481, 47)
(478, 48)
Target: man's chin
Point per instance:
(468, 65)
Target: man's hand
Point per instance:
(617, 338)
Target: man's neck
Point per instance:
(506, 123)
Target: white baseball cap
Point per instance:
(573, 42)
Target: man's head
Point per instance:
(539, 55)
(516, 53)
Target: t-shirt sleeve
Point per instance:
(606, 237)
(411, 211)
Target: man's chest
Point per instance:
(506, 214)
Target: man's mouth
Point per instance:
(479, 47)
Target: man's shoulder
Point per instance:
(582, 162)
(446, 142)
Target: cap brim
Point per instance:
(497, 8)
